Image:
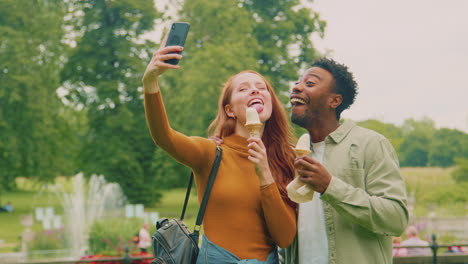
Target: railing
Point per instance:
(125, 259)
(436, 258)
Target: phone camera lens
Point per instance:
(173, 26)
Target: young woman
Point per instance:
(248, 214)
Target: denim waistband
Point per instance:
(213, 254)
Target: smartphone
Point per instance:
(177, 36)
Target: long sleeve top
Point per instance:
(240, 217)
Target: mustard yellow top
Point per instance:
(239, 217)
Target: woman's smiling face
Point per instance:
(249, 90)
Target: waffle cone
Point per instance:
(302, 152)
(299, 192)
(254, 129)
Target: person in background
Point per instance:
(398, 252)
(360, 196)
(7, 208)
(455, 249)
(144, 240)
(413, 239)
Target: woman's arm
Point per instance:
(191, 151)
(280, 218)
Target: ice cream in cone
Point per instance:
(253, 123)
(297, 190)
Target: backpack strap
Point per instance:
(206, 195)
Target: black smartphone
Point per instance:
(177, 36)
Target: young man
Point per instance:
(360, 200)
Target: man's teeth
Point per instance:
(297, 101)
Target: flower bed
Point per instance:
(117, 260)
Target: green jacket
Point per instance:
(365, 203)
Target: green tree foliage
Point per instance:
(282, 29)
(35, 136)
(419, 143)
(460, 174)
(424, 145)
(101, 127)
(414, 150)
(446, 145)
(102, 75)
(392, 132)
(216, 48)
(425, 126)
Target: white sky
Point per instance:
(409, 57)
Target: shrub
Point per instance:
(47, 240)
(110, 236)
(460, 174)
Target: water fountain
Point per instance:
(85, 204)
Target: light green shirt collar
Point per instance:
(340, 133)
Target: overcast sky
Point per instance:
(409, 57)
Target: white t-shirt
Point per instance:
(313, 241)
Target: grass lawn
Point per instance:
(426, 183)
(24, 201)
(11, 228)
(421, 180)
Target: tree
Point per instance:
(414, 150)
(424, 126)
(230, 36)
(35, 135)
(446, 145)
(390, 131)
(282, 29)
(460, 174)
(102, 74)
(216, 48)
(225, 38)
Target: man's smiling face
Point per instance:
(311, 97)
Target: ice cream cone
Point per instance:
(301, 152)
(297, 190)
(254, 129)
(253, 123)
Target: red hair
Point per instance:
(276, 135)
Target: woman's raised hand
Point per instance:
(157, 65)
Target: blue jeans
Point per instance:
(213, 254)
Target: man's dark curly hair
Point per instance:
(344, 82)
